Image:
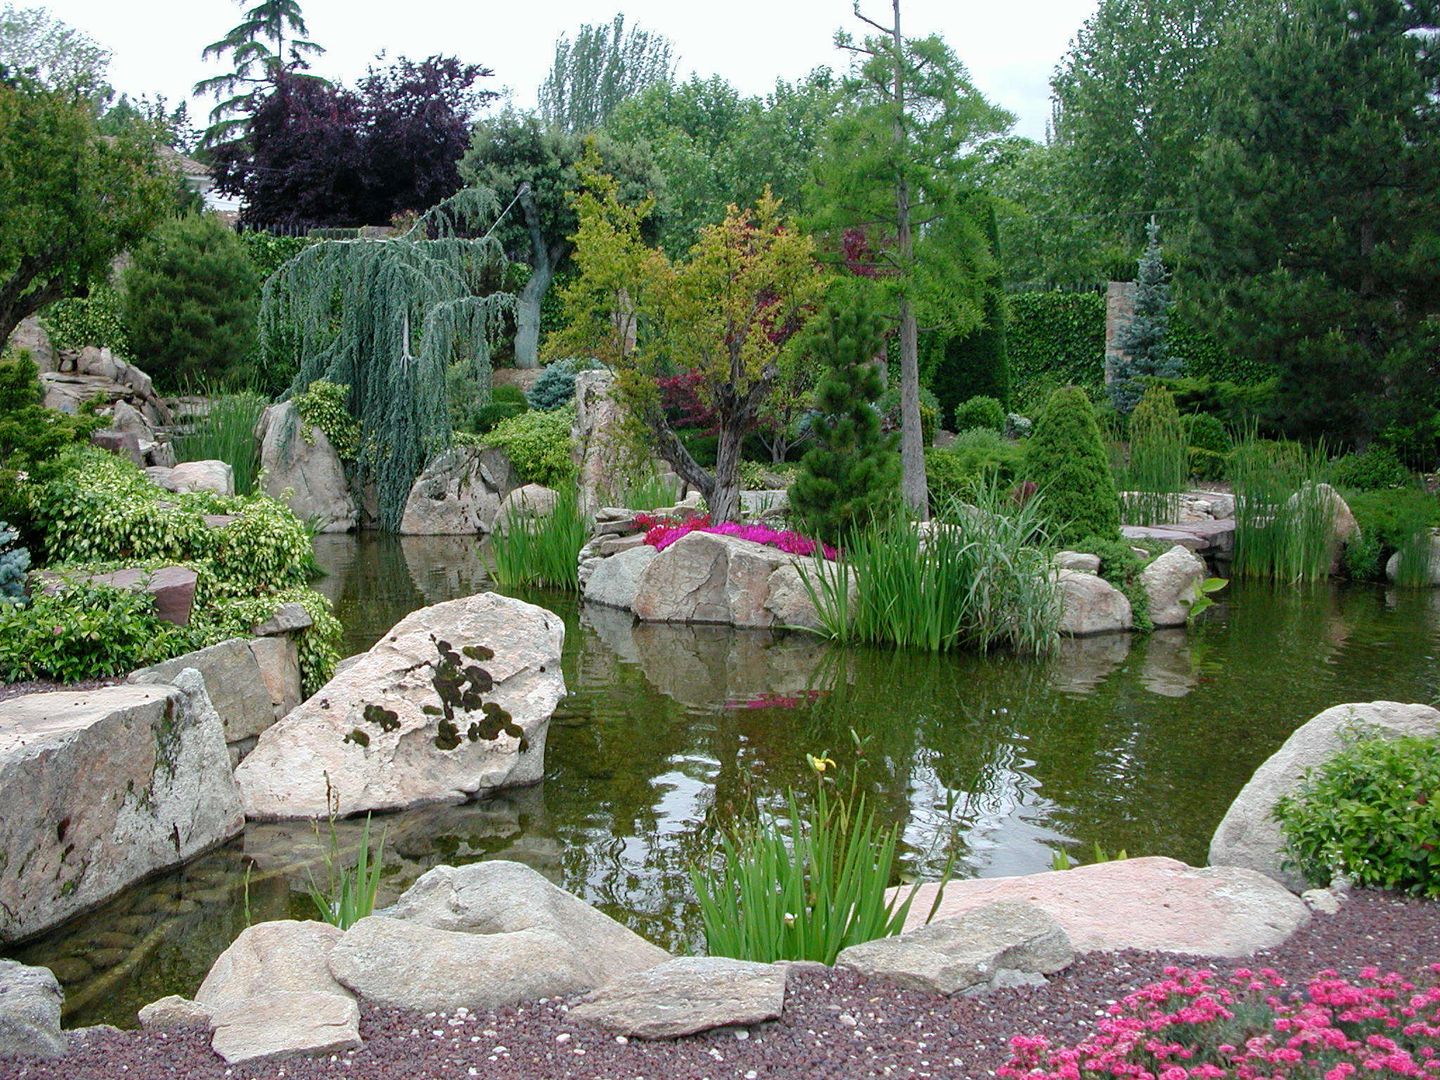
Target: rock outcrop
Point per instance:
(711, 578)
(615, 580)
(458, 494)
(1249, 835)
(117, 783)
(454, 701)
(30, 1001)
(214, 476)
(302, 469)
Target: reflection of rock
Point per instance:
(1082, 664)
(444, 567)
(1168, 669)
(706, 666)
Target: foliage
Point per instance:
(1374, 469)
(980, 412)
(268, 252)
(1370, 814)
(952, 472)
(541, 549)
(1317, 231)
(602, 67)
(904, 154)
(1054, 339)
(976, 362)
(1189, 1027)
(32, 438)
(976, 577)
(386, 318)
(14, 563)
(729, 313)
(1159, 461)
(73, 200)
(538, 445)
(317, 154)
(169, 127)
(1120, 565)
(190, 302)
(322, 405)
(1284, 526)
(1067, 458)
(1237, 405)
(95, 320)
(1391, 520)
(227, 433)
(889, 406)
(1205, 432)
(808, 897)
(349, 892)
(505, 402)
(267, 45)
(556, 386)
(851, 473)
(1143, 344)
(37, 46)
(84, 631)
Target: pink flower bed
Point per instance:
(660, 533)
(1251, 1028)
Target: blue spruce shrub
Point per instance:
(14, 562)
(556, 387)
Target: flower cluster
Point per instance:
(1191, 1027)
(660, 533)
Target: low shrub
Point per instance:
(227, 433)
(32, 438)
(1372, 814)
(1237, 405)
(538, 445)
(556, 386)
(96, 320)
(954, 471)
(505, 402)
(322, 405)
(980, 412)
(1120, 565)
(541, 549)
(1068, 460)
(1208, 466)
(1204, 432)
(1391, 520)
(1372, 470)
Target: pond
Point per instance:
(1135, 744)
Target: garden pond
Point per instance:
(1126, 743)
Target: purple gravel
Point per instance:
(835, 1024)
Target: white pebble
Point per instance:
(742, 1034)
(563, 1037)
(621, 1039)
(848, 1020)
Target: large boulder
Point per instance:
(1249, 835)
(31, 337)
(710, 578)
(485, 935)
(1171, 583)
(1151, 904)
(303, 470)
(232, 680)
(454, 701)
(951, 955)
(213, 476)
(30, 1000)
(614, 581)
(532, 500)
(1091, 605)
(458, 493)
(685, 996)
(1432, 566)
(116, 783)
(789, 602)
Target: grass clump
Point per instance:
(227, 433)
(1284, 513)
(1068, 460)
(532, 548)
(1159, 460)
(1371, 813)
(349, 892)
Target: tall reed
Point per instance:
(978, 576)
(1158, 464)
(541, 549)
(1284, 517)
(227, 433)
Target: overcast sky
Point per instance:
(1010, 51)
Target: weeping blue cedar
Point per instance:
(387, 318)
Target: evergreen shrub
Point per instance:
(980, 412)
(1374, 469)
(1209, 444)
(1068, 460)
(556, 386)
(14, 562)
(538, 445)
(889, 407)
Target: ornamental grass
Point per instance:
(541, 549)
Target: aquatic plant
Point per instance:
(227, 433)
(1284, 514)
(1189, 1026)
(349, 892)
(1158, 463)
(541, 549)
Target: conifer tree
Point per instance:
(853, 471)
(1068, 462)
(1142, 345)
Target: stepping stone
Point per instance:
(990, 944)
(1153, 904)
(685, 996)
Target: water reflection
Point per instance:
(669, 731)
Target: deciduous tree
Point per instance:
(602, 67)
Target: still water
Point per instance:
(1136, 744)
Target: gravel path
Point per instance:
(835, 1024)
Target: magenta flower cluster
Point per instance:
(1251, 1027)
(660, 533)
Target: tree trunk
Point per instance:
(724, 496)
(527, 315)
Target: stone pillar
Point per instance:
(1119, 311)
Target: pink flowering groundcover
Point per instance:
(660, 533)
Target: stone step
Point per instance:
(1202, 537)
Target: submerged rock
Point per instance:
(455, 700)
(1249, 835)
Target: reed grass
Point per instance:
(227, 433)
(1413, 569)
(978, 576)
(1158, 465)
(1284, 517)
(349, 892)
(650, 492)
(541, 549)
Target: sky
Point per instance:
(1011, 52)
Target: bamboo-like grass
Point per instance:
(541, 549)
(1158, 465)
(1284, 517)
(227, 433)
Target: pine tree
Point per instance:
(1142, 343)
(1068, 462)
(852, 472)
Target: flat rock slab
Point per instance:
(286, 1024)
(173, 587)
(685, 996)
(955, 954)
(1152, 904)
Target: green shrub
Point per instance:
(227, 433)
(980, 412)
(32, 438)
(1120, 565)
(1372, 814)
(977, 362)
(323, 405)
(191, 298)
(1238, 405)
(953, 472)
(1068, 460)
(1054, 339)
(556, 386)
(1390, 520)
(267, 253)
(889, 407)
(505, 402)
(1205, 432)
(1207, 465)
(96, 320)
(1373, 470)
(14, 562)
(538, 445)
